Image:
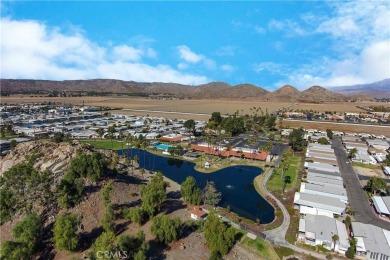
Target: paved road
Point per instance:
(356, 196)
(278, 234)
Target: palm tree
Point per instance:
(287, 180)
(136, 158)
(352, 153)
(111, 136)
(142, 171)
(335, 238)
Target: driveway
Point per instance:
(356, 196)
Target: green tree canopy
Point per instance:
(27, 234)
(190, 125)
(136, 215)
(104, 243)
(134, 246)
(153, 194)
(375, 184)
(329, 133)
(65, 232)
(219, 237)
(28, 231)
(190, 192)
(211, 195)
(166, 229)
(323, 140)
(296, 139)
(216, 117)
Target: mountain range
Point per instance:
(287, 93)
(379, 89)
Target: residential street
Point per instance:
(356, 195)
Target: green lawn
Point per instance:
(260, 247)
(105, 144)
(283, 251)
(368, 166)
(275, 182)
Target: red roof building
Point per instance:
(214, 150)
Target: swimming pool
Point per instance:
(164, 147)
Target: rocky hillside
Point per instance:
(286, 93)
(319, 94)
(51, 156)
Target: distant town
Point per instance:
(334, 185)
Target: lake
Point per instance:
(235, 183)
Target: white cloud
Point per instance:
(227, 51)
(30, 49)
(127, 53)
(360, 40)
(290, 27)
(273, 68)
(227, 68)
(188, 55)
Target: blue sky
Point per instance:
(269, 44)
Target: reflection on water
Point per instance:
(235, 183)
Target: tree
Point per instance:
(296, 139)
(166, 229)
(136, 215)
(153, 194)
(28, 231)
(108, 218)
(375, 184)
(329, 133)
(190, 125)
(7, 203)
(58, 137)
(387, 160)
(347, 222)
(190, 192)
(135, 246)
(323, 140)
(287, 180)
(350, 253)
(216, 117)
(335, 238)
(106, 193)
(70, 190)
(26, 234)
(270, 122)
(13, 144)
(219, 237)
(211, 195)
(352, 153)
(65, 232)
(104, 243)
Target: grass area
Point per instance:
(105, 144)
(294, 225)
(367, 166)
(260, 247)
(283, 251)
(275, 182)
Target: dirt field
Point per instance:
(339, 127)
(192, 106)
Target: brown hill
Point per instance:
(227, 91)
(287, 93)
(317, 94)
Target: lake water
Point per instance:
(235, 183)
